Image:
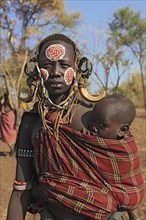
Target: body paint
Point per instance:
(55, 52)
(44, 74)
(69, 75)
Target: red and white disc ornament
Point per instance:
(44, 74)
(69, 75)
(55, 52)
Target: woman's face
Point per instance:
(56, 62)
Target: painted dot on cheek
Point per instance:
(44, 74)
(69, 75)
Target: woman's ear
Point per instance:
(123, 130)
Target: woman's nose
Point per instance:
(56, 69)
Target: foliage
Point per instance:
(132, 89)
(24, 22)
(128, 29)
(109, 66)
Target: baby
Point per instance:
(111, 119)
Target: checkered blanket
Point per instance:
(87, 174)
(8, 131)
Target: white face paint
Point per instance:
(44, 74)
(69, 75)
(55, 52)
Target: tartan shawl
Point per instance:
(87, 174)
(8, 132)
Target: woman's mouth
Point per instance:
(55, 84)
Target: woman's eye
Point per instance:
(46, 65)
(64, 65)
(102, 125)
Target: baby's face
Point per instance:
(103, 121)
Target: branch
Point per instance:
(6, 75)
(22, 70)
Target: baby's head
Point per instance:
(112, 116)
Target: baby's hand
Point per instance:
(85, 131)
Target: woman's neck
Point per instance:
(57, 99)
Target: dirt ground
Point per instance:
(7, 168)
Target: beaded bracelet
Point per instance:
(25, 153)
(22, 185)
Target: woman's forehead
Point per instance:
(56, 48)
(66, 45)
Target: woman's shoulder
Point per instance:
(29, 118)
(85, 106)
(33, 112)
(80, 115)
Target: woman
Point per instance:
(58, 75)
(8, 123)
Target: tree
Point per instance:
(132, 88)
(128, 29)
(23, 23)
(109, 65)
(115, 66)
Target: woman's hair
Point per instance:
(57, 37)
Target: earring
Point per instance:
(30, 67)
(85, 67)
(41, 80)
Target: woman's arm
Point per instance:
(20, 196)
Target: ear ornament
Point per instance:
(85, 94)
(30, 67)
(85, 67)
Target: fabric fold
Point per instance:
(87, 174)
(8, 132)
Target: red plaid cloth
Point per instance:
(8, 132)
(87, 174)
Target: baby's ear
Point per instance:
(123, 130)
